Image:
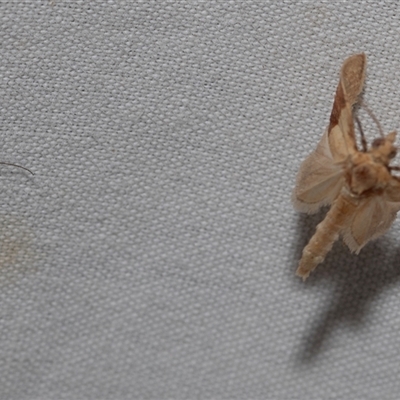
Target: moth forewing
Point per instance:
(363, 194)
(341, 135)
(352, 76)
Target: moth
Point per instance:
(357, 184)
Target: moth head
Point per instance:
(383, 148)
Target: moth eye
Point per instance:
(392, 154)
(378, 142)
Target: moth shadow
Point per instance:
(357, 279)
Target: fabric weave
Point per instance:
(152, 255)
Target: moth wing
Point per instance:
(392, 190)
(373, 217)
(321, 176)
(319, 179)
(341, 134)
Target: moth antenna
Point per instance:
(371, 114)
(16, 165)
(363, 140)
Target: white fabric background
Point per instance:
(152, 255)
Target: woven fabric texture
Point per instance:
(152, 254)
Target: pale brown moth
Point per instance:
(358, 184)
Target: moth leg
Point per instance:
(372, 115)
(363, 140)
